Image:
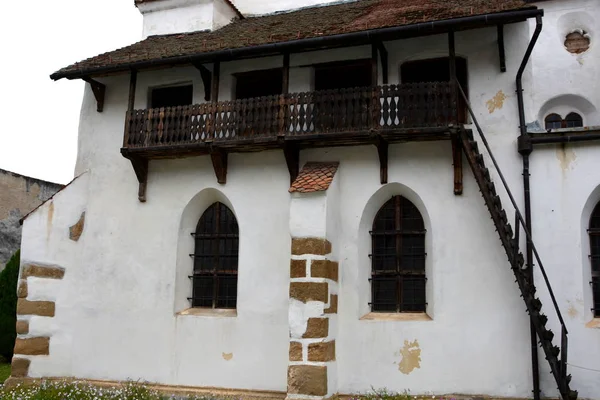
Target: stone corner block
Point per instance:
(41, 308)
(298, 269)
(295, 351)
(307, 380)
(316, 328)
(321, 352)
(22, 289)
(317, 246)
(41, 271)
(309, 291)
(22, 327)
(35, 346)
(333, 305)
(19, 367)
(324, 269)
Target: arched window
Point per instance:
(594, 232)
(573, 120)
(553, 121)
(215, 259)
(398, 258)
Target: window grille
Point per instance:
(594, 232)
(398, 258)
(553, 121)
(214, 282)
(573, 120)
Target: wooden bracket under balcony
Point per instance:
(219, 162)
(382, 150)
(292, 159)
(140, 167)
(99, 91)
(457, 162)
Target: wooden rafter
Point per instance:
(206, 76)
(382, 150)
(99, 90)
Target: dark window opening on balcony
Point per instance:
(343, 74)
(266, 82)
(398, 258)
(594, 232)
(438, 70)
(171, 96)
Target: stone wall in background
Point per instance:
(18, 196)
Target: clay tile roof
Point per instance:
(253, 33)
(314, 177)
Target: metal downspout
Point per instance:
(525, 148)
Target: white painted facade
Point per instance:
(125, 286)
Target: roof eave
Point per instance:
(339, 40)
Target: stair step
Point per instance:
(543, 319)
(573, 394)
(548, 335)
(536, 304)
(479, 160)
(555, 351)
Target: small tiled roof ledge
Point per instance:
(314, 177)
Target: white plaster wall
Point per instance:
(558, 72)
(120, 297)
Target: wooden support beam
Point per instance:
(501, 52)
(206, 76)
(382, 151)
(383, 56)
(292, 159)
(132, 86)
(140, 166)
(374, 69)
(457, 163)
(285, 84)
(453, 79)
(99, 91)
(214, 91)
(219, 162)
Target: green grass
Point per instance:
(4, 372)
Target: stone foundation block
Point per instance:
(36, 346)
(19, 367)
(22, 327)
(324, 269)
(40, 271)
(22, 291)
(298, 269)
(315, 246)
(41, 308)
(308, 380)
(323, 352)
(316, 328)
(309, 291)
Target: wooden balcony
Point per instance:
(420, 111)
(357, 116)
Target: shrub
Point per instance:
(8, 306)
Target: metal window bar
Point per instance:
(398, 258)
(214, 281)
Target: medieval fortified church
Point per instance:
(325, 199)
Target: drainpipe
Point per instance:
(525, 149)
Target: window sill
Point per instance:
(208, 312)
(594, 324)
(380, 316)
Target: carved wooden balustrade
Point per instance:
(411, 107)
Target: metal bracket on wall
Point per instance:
(99, 91)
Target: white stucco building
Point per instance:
(295, 207)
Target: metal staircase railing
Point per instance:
(510, 243)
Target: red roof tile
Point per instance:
(314, 177)
(307, 23)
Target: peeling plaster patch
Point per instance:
(227, 356)
(50, 217)
(565, 156)
(411, 357)
(572, 311)
(496, 102)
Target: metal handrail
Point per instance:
(516, 207)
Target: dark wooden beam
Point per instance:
(292, 159)
(214, 91)
(132, 86)
(457, 163)
(206, 76)
(374, 72)
(382, 151)
(219, 162)
(383, 56)
(501, 48)
(140, 166)
(285, 84)
(452, 62)
(99, 91)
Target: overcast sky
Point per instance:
(38, 132)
